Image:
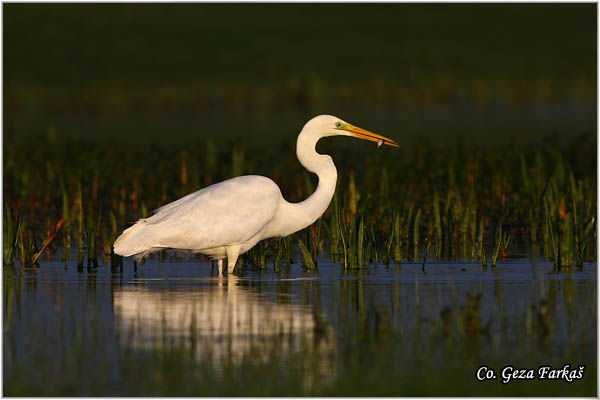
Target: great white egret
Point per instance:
(228, 218)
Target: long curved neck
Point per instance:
(308, 211)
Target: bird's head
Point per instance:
(328, 125)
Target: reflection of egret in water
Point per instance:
(220, 321)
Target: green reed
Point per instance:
(280, 245)
(582, 217)
(307, 258)
(27, 244)
(341, 233)
(437, 221)
(8, 239)
(67, 215)
(79, 233)
(569, 221)
(501, 244)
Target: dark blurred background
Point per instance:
(173, 72)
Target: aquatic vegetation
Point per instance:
(9, 239)
(47, 241)
(462, 207)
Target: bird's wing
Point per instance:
(229, 212)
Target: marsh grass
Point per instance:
(463, 207)
(9, 239)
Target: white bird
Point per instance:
(228, 218)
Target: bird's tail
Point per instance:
(134, 240)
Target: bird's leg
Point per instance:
(233, 253)
(220, 264)
(231, 265)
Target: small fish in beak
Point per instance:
(380, 143)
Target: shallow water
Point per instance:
(176, 292)
(226, 319)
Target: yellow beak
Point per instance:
(367, 135)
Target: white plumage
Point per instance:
(228, 218)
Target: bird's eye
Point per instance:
(338, 124)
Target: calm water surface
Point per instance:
(170, 299)
(225, 319)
